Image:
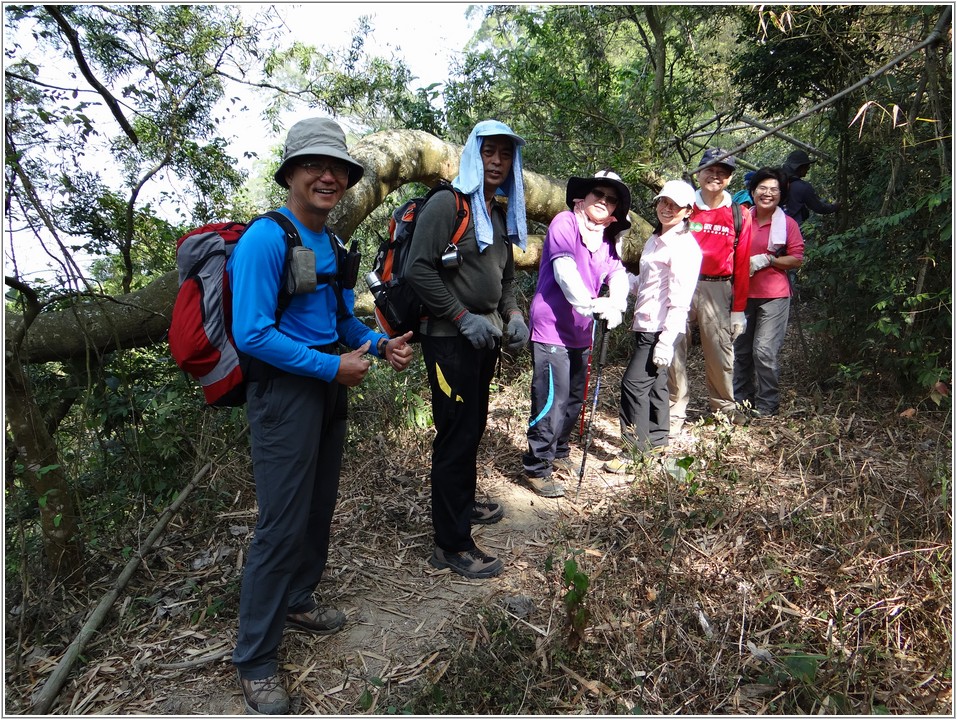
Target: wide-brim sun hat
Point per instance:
(317, 136)
(578, 187)
(679, 192)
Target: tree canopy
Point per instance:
(117, 140)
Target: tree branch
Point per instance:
(108, 98)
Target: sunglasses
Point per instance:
(609, 199)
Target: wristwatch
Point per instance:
(381, 346)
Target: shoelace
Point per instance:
(266, 684)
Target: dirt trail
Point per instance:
(406, 621)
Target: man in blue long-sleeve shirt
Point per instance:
(296, 404)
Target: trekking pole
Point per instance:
(602, 337)
(581, 421)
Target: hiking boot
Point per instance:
(486, 513)
(547, 486)
(473, 564)
(617, 465)
(265, 696)
(566, 465)
(319, 620)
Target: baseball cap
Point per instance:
(679, 192)
(711, 154)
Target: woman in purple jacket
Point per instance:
(578, 257)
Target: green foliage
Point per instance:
(349, 82)
(384, 393)
(805, 53)
(888, 293)
(576, 591)
(569, 78)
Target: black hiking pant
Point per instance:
(459, 377)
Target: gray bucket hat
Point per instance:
(317, 136)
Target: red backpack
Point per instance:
(200, 333)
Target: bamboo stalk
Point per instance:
(931, 39)
(51, 688)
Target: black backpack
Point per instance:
(398, 308)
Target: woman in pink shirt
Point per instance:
(667, 276)
(776, 247)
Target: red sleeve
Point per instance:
(742, 265)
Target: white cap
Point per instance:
(679, 192)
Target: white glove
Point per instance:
(601, 305)
(612, 317)
(739, 323)
(662, 354)
(759, 262)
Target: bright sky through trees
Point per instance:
(425, 36)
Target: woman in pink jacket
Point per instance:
(776, 248)
(666, 280)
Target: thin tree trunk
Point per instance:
(36, 451)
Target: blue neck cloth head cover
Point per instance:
(471, 181)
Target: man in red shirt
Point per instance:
(722, 291)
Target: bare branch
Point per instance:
(108, 98)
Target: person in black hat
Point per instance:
(578, 256)
(802, 197)
(296, 405)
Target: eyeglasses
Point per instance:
(610, 199)
(762, 190)
(339, 170)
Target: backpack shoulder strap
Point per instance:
(292, 238)
(462, 210)
(340, 253)
(736, 213)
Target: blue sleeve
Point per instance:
(352, 332)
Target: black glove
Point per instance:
(479, 331)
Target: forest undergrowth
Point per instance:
(797, 565)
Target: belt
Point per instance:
(714, 278)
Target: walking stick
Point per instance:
(581, 421)
(602, 337)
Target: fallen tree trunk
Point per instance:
(392, 159)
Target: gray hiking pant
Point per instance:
(756, 354)
(297, 430)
